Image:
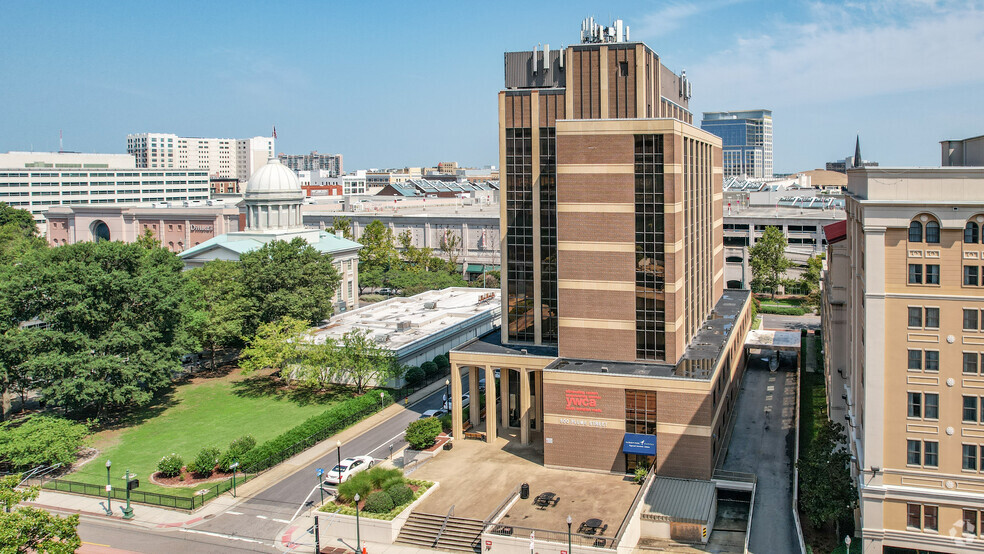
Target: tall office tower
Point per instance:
(903, 322)
(747, 141)
(225, 158)
(612, 257)
(313, 162)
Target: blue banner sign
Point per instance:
(639, 444)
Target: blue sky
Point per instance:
(413, 83)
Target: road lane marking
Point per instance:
(262, 517)
(96, 544)
(234, 513)
(280, 520)
(386, 443)
(223, 536)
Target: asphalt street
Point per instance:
(264, 516)
(104, 537)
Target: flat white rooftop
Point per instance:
(399, 322)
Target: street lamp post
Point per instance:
(847, 544)
(569, 521)
(338, 448)
(233, 466)
(447, 392)
(109, 490)
(128, 511)
(382, 396)
(358, 536)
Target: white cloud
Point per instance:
(672, 16)
(848, 51)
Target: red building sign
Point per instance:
(582, 401)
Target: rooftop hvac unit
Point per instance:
(546, 57)
(383, 338)
(430, 305)
(403, 325)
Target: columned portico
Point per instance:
(491, 427)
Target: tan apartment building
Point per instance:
(619, 346)
(904, 331)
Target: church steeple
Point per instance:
(857, 152)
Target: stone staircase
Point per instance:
(460, 534)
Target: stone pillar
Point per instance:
(504, 385)
(524, 406)
(457, 425)
(491, 428)
(475, 405)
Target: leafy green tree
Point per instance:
(413, 258)
(40, 440)
(378, 247)
(811, 278)
(20, 219)
(321, 364)
(451, 248)
(25, 529)
(288, 279)
(364, 362)
(768, 260)
(275, 345)
(343, 224)
(18, 350)
(371, 278)
(116, 322)
(415, 282)
(827, 493)
(421, 433)
(220, 306)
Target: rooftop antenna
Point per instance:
(61, 146)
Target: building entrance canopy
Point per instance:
(634, 443)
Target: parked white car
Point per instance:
(349, 467)
(432, 413)
(465, 401)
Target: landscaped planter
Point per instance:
(410, 455)
(371, 527)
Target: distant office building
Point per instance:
(963, 152)
(447, 168)
(320, 182)
(36, 181)
(747, 140)
(229, 158)
(315, 161)
(851, 162)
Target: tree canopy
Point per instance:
(768, 261)
(220, 305)
(114, 322)
(827, 492)
(18, 218)
(26, 529)
(288, 279)
(378, 247)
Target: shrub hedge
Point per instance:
(236, 450)
(781, 310)
(400, 493)
(204, 463)
(170, 465)
(414, 376)
(421, 433)
(360, 484)
(309, 432)
(378, 503)
(430, 369)
(442, 362)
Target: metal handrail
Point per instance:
(443, 526)
(502, 505)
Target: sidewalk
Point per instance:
(157, 517)
(300, 537)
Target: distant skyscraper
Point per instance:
(227, 158)
(332, 163)
(747, 138)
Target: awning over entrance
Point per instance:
(635, 443)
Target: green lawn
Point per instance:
(206, 412)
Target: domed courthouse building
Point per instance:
(272, 205)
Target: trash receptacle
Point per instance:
(524, 491)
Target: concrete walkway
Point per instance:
(156, 517)
(762, 444)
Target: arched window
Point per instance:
(970, 233)
(932, 232)
(915, 232)
(100, 231)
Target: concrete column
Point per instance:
(457, 425)
(524, 406)
(475, 410)
(504, 385)
(491, 429)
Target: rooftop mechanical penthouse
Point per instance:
(619, 346)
